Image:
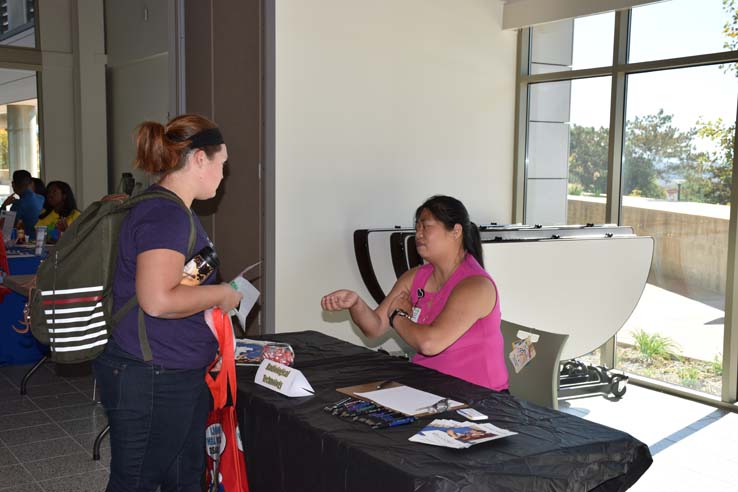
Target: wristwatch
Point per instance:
(397, 312)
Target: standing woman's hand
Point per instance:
(8, 201)
(339, 300)
(231, 298)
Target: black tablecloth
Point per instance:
(291, 444)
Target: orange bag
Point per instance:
(226, 468)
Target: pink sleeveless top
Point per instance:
(478, 356)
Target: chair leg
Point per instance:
(98, 441)
(27, 376)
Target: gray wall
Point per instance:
(141, 82)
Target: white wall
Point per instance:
(378, 106)
(138, 76)
(526, 13)
(73, 95)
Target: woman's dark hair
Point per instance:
(69, 204)
(38, 187)
(161, 149)
(451, 211)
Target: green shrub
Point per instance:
(716, 366)
(689, 377)
(652, 345)
(575, 189)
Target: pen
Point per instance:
(330, 408)
(395, 422)
(350, 412)
(364, 410)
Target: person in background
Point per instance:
(157, 410)
(447, 309)
(27, 206)
(60, 209)
(38, 187)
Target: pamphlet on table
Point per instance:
(252, 352)
(458, 435)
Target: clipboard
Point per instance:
(354, 392)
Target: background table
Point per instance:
(292, 444)
(17, 346)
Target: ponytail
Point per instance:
(162, 149)
(473, 242)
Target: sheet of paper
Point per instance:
(405, 399)
(250, 295)
(8, 220)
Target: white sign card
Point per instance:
(8, 220)
(282, 379)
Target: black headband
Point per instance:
(209, 136)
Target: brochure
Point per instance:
(249, 292)
(252, 352)
(458, 435)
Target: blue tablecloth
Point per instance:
(17, 345)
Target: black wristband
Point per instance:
(397, 312)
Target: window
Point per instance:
(621, 128)
(19, 135)
(681, 28)
(18, 23)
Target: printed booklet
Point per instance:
(458, 435)
(252, 352)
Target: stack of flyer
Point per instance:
(252, 352)
(458, 435)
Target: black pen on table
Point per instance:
(395, 422)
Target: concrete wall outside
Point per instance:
(690, 250)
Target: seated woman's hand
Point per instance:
(400, 301)
(339, 300)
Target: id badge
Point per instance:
(416, 314)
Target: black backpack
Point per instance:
(70, 309)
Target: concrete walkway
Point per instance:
(696, 327)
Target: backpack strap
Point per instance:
(133, 301)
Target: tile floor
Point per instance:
(693, 445)
(46, 437)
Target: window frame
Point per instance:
(619, 71)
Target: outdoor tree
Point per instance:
(709, 178)
(654, 150)
(588, 158)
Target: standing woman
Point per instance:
(60, 209)
(447, 309)
(157, 410)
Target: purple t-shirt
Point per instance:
(185, 343)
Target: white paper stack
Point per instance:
(458, 435)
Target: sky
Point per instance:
(664, 30)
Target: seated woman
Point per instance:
(60, 209)
(447, 309)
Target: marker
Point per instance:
(395, 422)
(330, 408)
